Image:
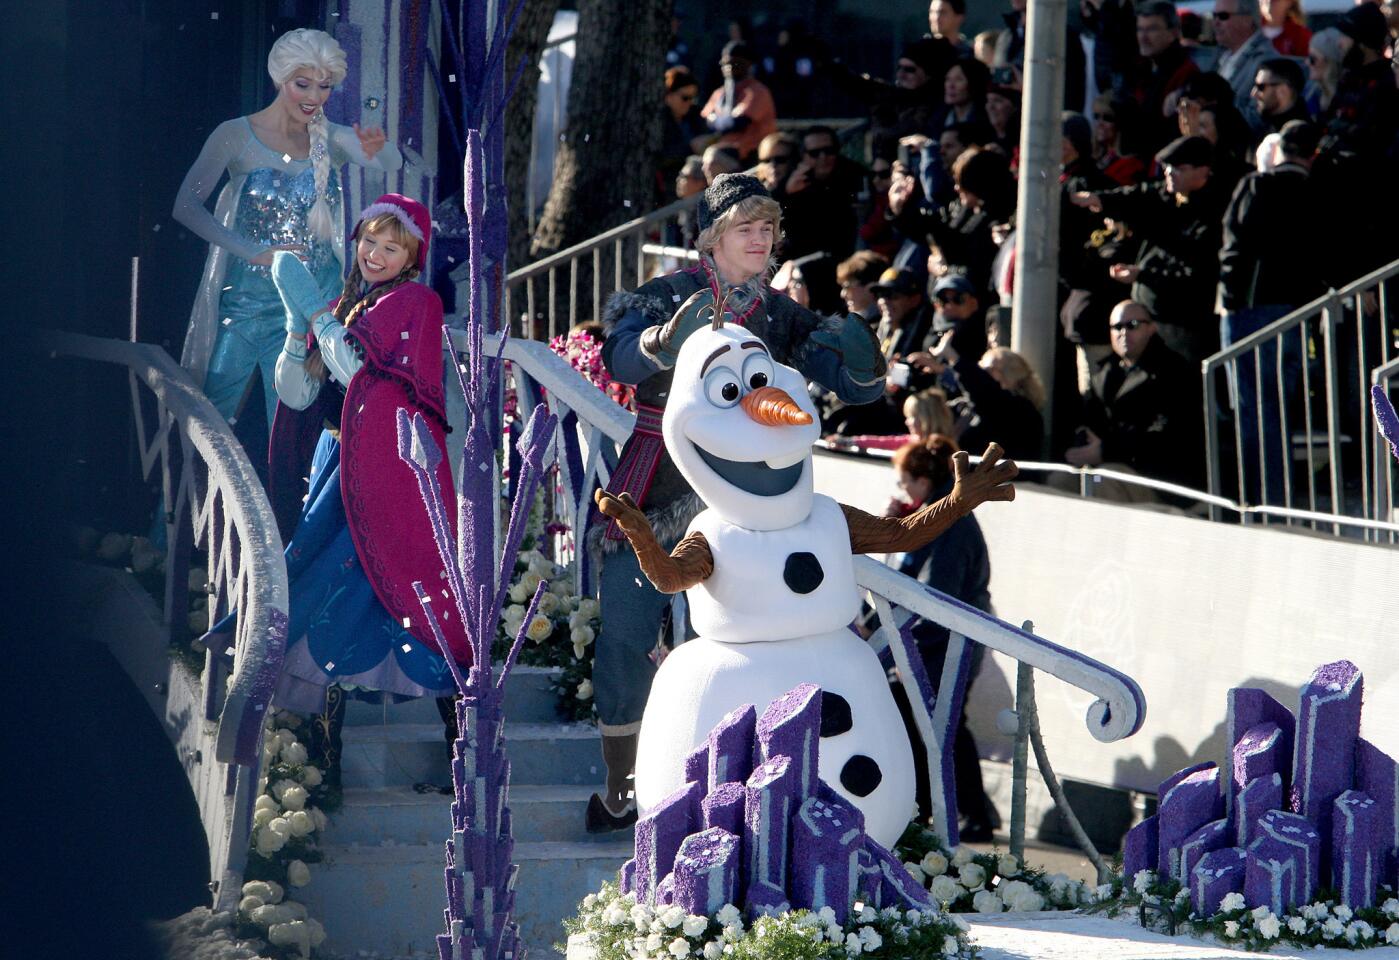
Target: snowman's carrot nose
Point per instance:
(773, 407)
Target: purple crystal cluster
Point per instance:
(1304, 802)
(755, 826)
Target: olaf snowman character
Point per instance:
(770, 574)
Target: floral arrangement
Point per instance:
(617, 927)
(1162, 902)
(965, 881)
(583, 351)
(288, 816)
(561, 634)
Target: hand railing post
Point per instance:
(1330, 317)
(1024, 679)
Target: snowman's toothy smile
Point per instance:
(754, 477)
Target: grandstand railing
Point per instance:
(1330, 350)
(591, 429)
(212, 500)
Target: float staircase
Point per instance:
(379, 889)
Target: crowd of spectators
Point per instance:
(1216, 173)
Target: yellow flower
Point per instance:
(540, 628)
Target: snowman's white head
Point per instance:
(739, 427)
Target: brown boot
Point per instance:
(617, 809)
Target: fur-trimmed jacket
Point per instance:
(782, 324)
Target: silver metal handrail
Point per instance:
(1386, 475)
(1311, 328)
(613, 260)
(213, 500)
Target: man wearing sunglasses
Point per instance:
(1238, 30)
(819, 198)
(1143, 411)
(741, 112)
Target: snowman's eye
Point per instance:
(757, 370)
(721, 387)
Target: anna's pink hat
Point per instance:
(409, 212)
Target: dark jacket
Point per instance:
(1276, 121)
(1266, 258)
(1179, 258)
(956, 563)
(821, 218)
(1001, 416)
(1154, 80)
(1149, 417)
(961, 233)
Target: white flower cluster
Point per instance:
(285, 921)
(283, 813)
(962, 879)
(559, 608)
(669, 933)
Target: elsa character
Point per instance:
(283, 193)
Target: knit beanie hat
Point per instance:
(1365, 24)
(727, 190)
(1079, 132)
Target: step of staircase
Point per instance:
(528, 698)
(379, 889)
(539, 812)
(402, 754)
(388, 900)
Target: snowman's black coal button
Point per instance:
(860, 775)
(803, 572)
(835, 714)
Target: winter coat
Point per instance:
(1268, 257)
(1149, 417)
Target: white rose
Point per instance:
(280, 788)
(1027, 902)
(294, 754)
(867, 914)
(1007, 865)
(641, 917)
(285, 738)
(519, 594)
(266, 915)
(712, 951)
(298, 874)
(548, 604)
(296, 934)
(267, 841)
(530, 582)
(311, 776)
(319, 816)
(653, 941)
(679, 947)
(987, 902)
(945, 889)
(248, 904)
(1362, 929)
(281, 826)
(870, 939)
(950, 946)
(582, 636)
(585, 691)
(1390, 908)
(972, 876)
(963, 854)
(1143, 880)
(294, 798)
(729, 915)
(1104, 891)
(265, 802)
(672, 916)
(588, 607)
(262, 818)
(914, 870)
(1391, 932)
(291, 910)
(1231, 928)
(1270, 927)
(853, 946)
(1344, 912)
(301, 823)
(694, 925)
(933, 864)
(540, 628)
(316, 930)
(1297, 925)
(1258, 913)
(561, 587)
(1232, 902)
(614, 916)
(1332, 928)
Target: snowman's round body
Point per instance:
(776, 613)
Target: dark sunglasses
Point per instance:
(952, 297)
(1126, 324)
(821, 152)
(1265, 84)
(780, 158)
(1221, 15)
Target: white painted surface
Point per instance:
(1187, 608)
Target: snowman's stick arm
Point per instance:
(690, 563)
(871, 534)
